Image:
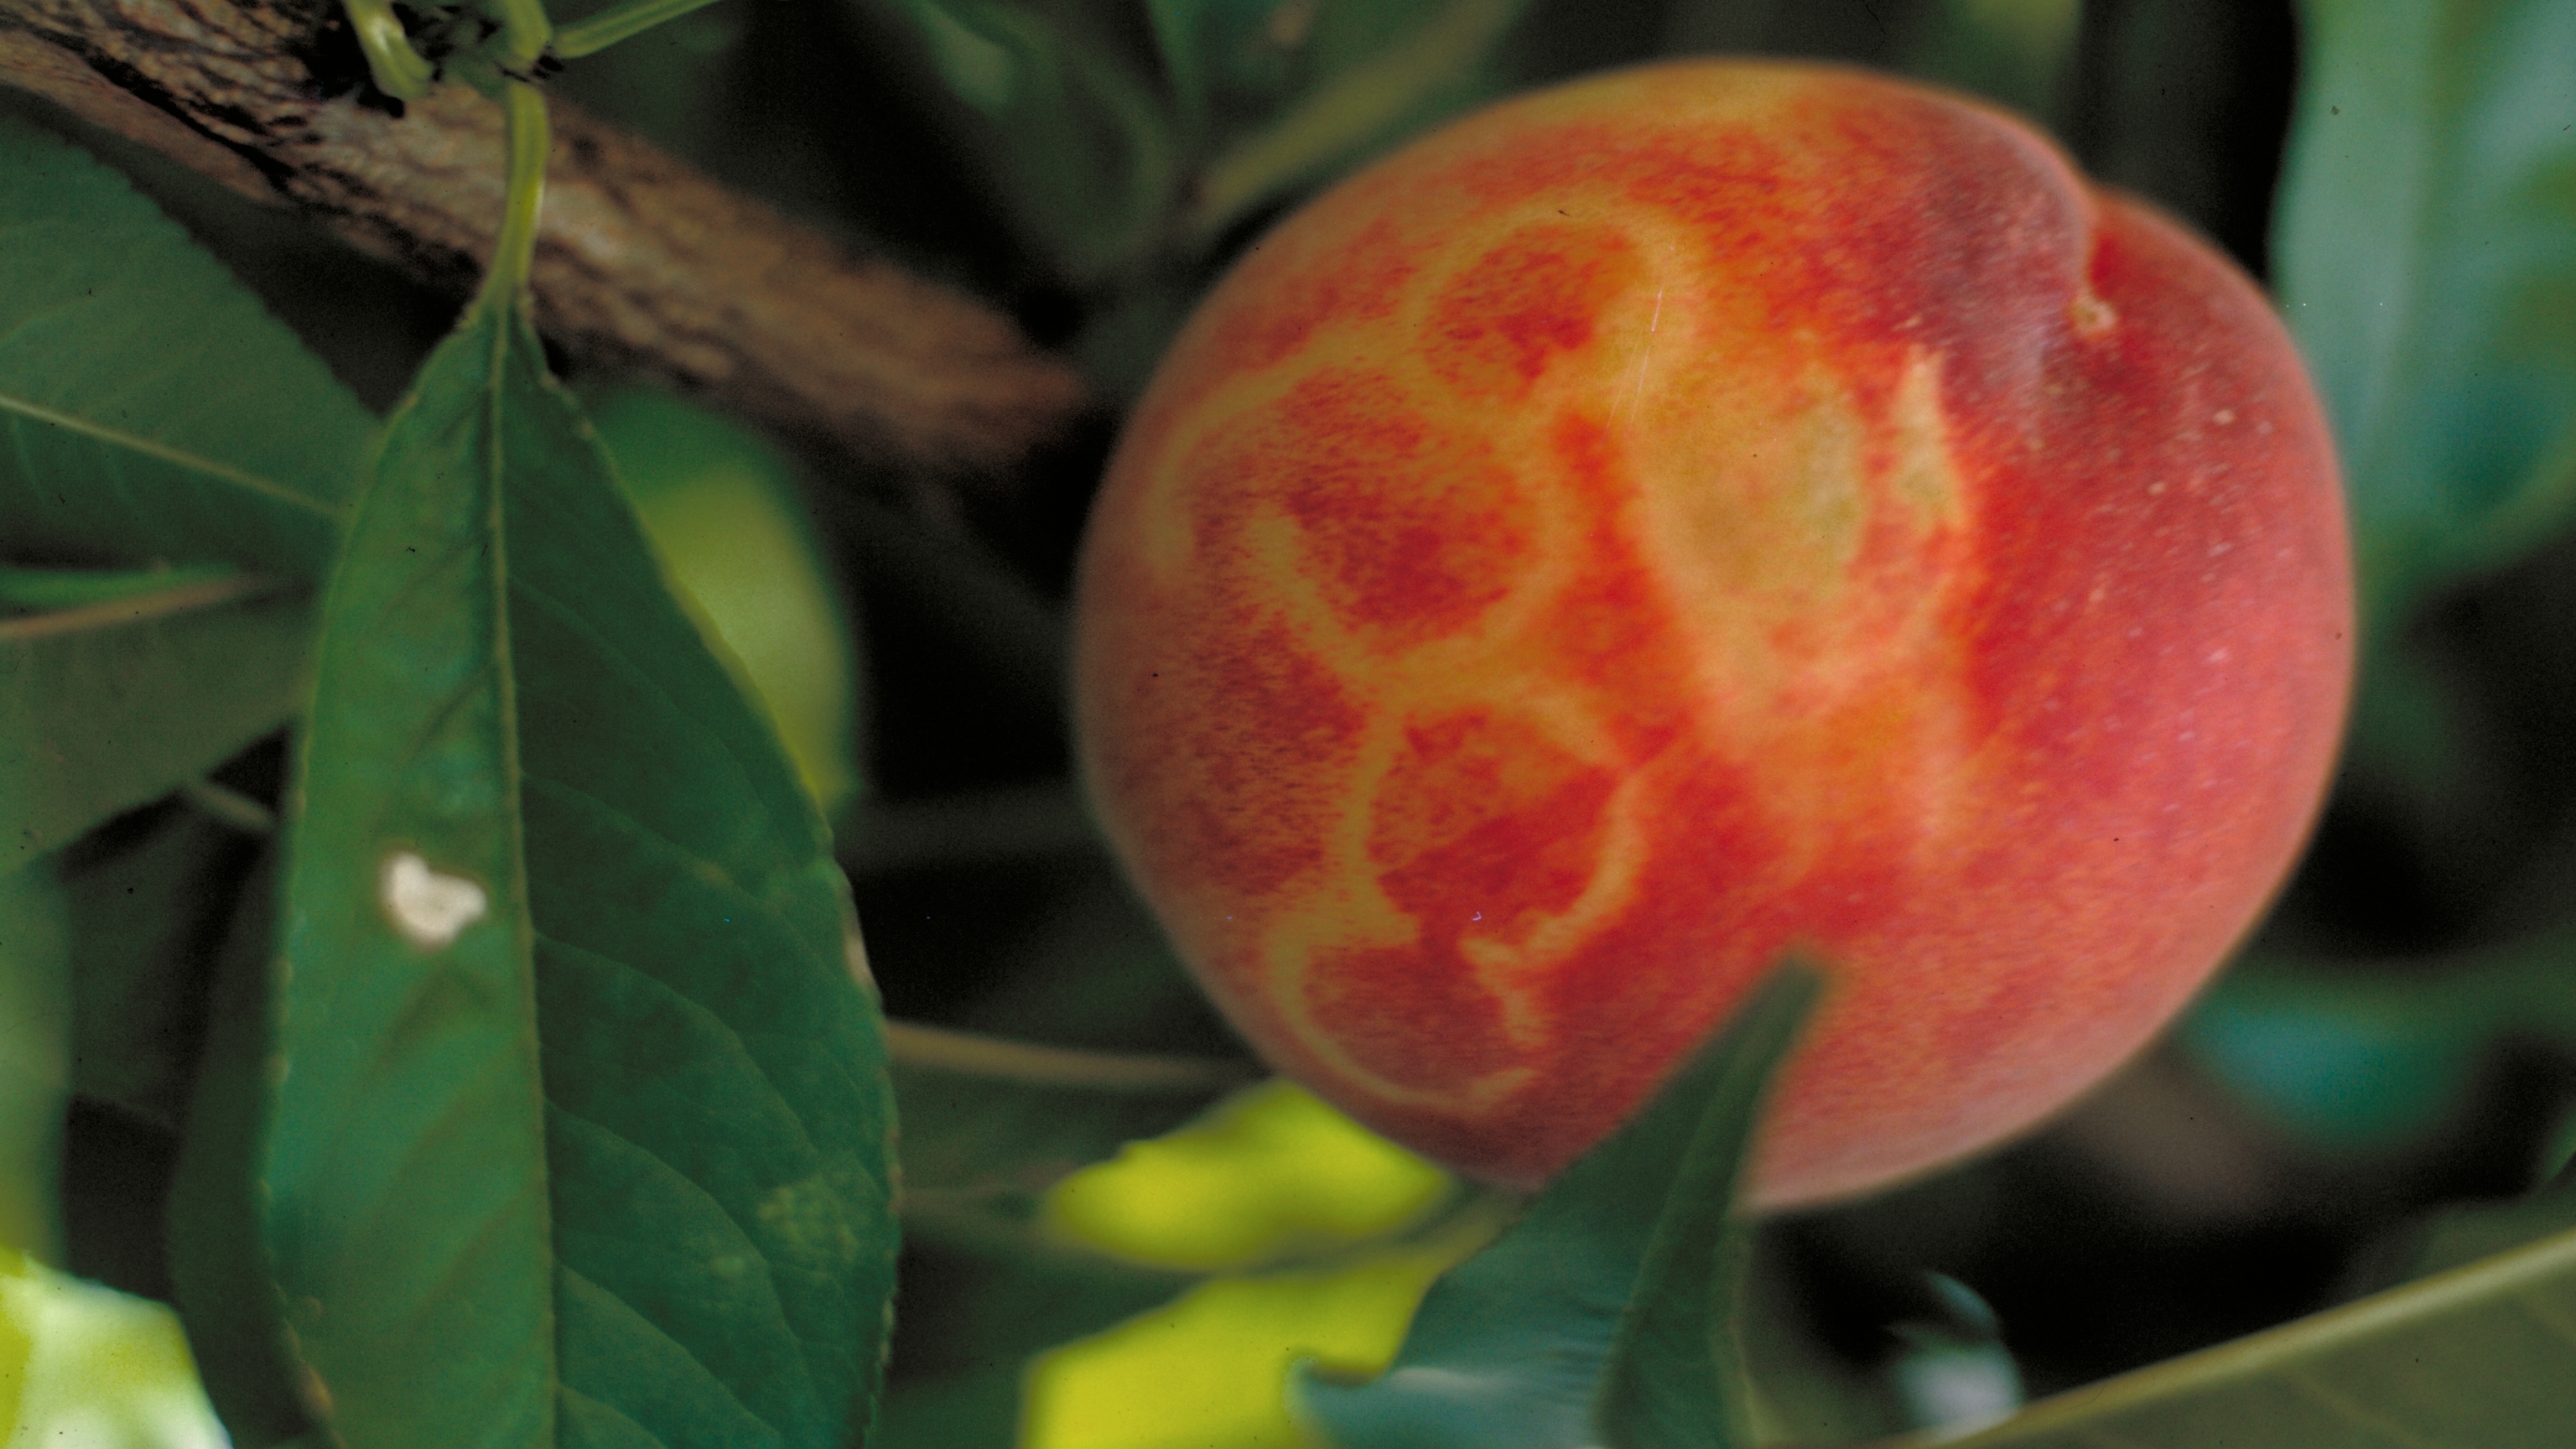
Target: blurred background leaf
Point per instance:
(153, 413)
(2351, 1060)
(150, 415)
(726, 517)
(2476, 1355)
(106, 707)
(2426, 252)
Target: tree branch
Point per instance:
(642, 262)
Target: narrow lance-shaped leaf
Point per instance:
(583, 1132)
(150, 414)
(2426, 259)
(149, 409)
(1604, 1315)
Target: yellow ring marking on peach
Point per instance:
(1478, 668)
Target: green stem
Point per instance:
(399, 70)
(940, 1049)
(530, 140)
(594, 33)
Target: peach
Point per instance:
(1693, 514)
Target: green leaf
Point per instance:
(729, 524)
(2467, 1232)
(113, 704)
(2356, 1059)
(1081, 148)
(1605, 1315)
(583, 1131)
(35, 1032)
(2426, 259)
(150, 414)
(2474, 1356)
(149, 410)
(990, 1125)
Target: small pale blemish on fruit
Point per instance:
(2091, 315)
(2223, 416)
(429, 908)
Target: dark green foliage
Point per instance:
(150, 416)
(605, 1152)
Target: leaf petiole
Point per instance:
(399, 70)
(594, 33)
(530, 141)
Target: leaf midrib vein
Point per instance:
(141, 608)
(98, 432)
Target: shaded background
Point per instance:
(2402, 1034)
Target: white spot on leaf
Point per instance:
(427, 907)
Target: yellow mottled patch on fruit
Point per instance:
(1782, 513)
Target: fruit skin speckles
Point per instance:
(1688, 515)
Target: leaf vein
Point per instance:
(2359, 1415)
(715, 1011)
(146, 447)
(574, 797)
(745, 779)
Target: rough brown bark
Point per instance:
(641, 262)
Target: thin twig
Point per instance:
(935, 1048)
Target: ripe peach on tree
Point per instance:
(1693, 514)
